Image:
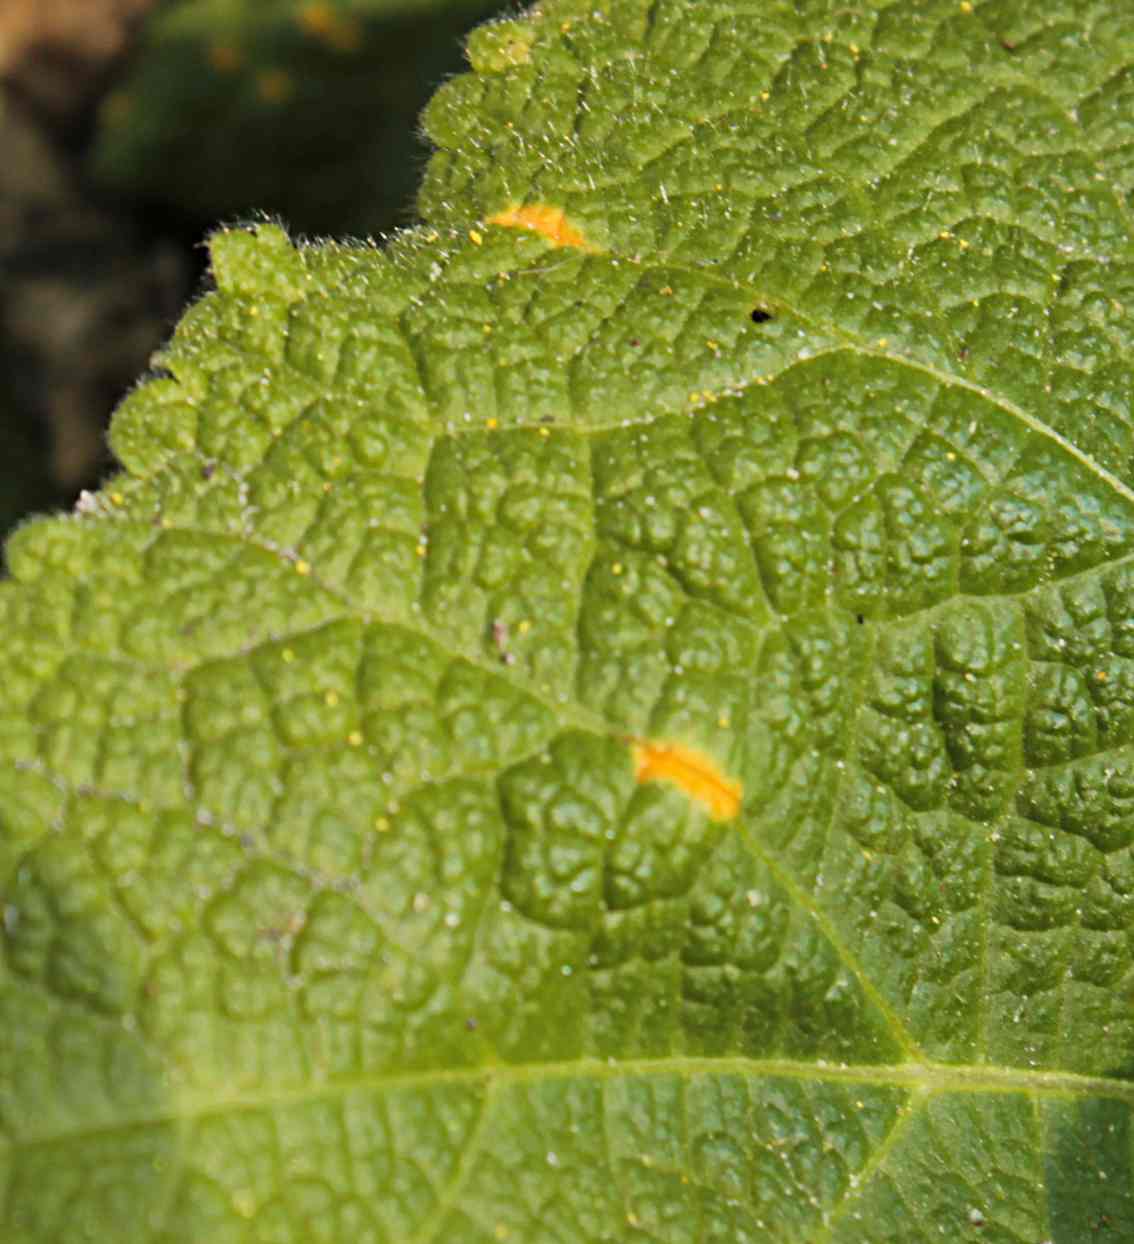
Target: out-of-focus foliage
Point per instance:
(23, 485)
(111, 172)
(304, 108)
(56, 52)
(86, 294)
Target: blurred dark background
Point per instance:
(128, 130)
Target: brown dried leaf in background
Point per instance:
(85, 293)
(54, 52)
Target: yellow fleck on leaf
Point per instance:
(244, 1202)
(302, 567)
(549, 222)
(500, 46)
(694, 773)
(475, 238)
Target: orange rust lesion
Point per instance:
(696, 775)
(549, 222)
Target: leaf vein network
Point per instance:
(927, 1079)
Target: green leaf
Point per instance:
(613, 717)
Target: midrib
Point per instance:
(921, 1079)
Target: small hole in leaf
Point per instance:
(760, 316)
(859, 618)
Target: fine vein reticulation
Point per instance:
(613, 715)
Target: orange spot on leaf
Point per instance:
(694, 773)
(549, 222)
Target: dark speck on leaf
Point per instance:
(760, 316)
(470, 1024)
(635, 342)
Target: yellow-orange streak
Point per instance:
(549, 222)
(692, 772)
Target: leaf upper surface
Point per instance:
(756, 399)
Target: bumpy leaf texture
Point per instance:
(612, 718)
